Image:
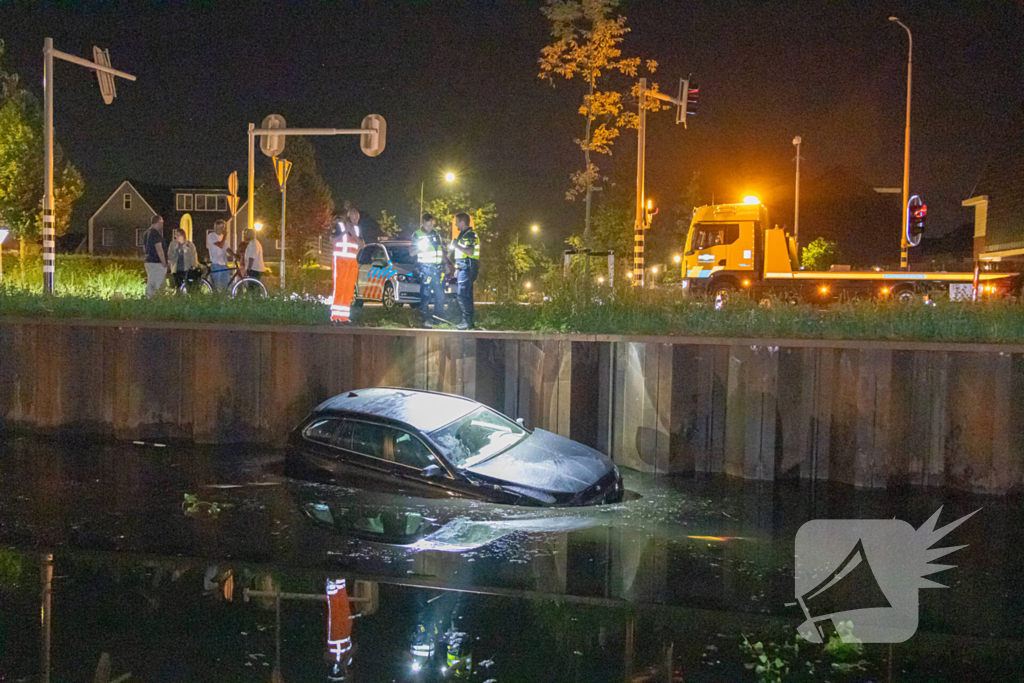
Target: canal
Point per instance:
(183, 563)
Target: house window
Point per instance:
(140, 237)
(127, 202)
(183, 202)
(108, 237)
(222, 202)
(211, 202)
(200, 202)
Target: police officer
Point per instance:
(466, 248)
(428, 255)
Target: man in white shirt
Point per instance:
(253, 265)
(216, 245)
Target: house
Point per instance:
(118, 225)
(998, 200)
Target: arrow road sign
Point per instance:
(273, 145)
(282, 167)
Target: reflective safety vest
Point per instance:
(428, 248)
(467, 239)
(339, 622)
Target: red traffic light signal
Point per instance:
(692, 95)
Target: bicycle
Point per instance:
(237, 286)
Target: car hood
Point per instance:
(548, 462)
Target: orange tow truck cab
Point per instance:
(730, 248)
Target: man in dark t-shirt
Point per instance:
(156, 261)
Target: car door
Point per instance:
(364, 259)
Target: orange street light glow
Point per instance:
(629, 275)
(677, 258)
(650, 204)
(258, 226)
(751, 199)
(654, 270)
(529, 284)
(535, 228)
(450, 177)
(600, 279)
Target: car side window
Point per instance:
(408, 450)
(321, 431)
(365, 255)
(343, 437)
(368, 439)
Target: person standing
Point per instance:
(217, 247)
(252, 262)
(466, 248)
(182, 257)
(156, 262)
(345, 235)
(428, 255)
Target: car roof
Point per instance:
(423, 410)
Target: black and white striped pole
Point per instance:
(105, 76)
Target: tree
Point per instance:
(21, 167)
(821, 254)
(310, 203)
(513, 261)
(444, 208)
(587, 39)
(388, 226)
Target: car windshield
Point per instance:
(404, 254)
(478, 436)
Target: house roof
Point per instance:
(117, 191)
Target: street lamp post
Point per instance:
(448, 178)
(796, 201)
(906, 145)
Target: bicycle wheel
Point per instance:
(249, 287)
(200, 286)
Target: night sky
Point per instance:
(457, 83)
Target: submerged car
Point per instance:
(438, 445)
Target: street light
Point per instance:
(906, 145)
(258, 226)
(448, 177)
(796, 200)
(535, 228)
(528, 285)
(677, 258)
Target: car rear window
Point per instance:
(368, 439)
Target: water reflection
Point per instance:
(662, 587)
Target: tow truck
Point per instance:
(730, 249)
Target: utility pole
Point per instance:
(638, 233)
(906, 147)
(796, 202)
(106, 80)
(282, 167)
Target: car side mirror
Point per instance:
(432, 472)
(689, 253)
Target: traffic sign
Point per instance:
(273, 145)
(106, 80)
(373, 144)
(282, 167)
(233, 183)
(233, 204)
(186, 226)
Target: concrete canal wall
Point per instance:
(875, 414)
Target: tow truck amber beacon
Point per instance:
(730, 248)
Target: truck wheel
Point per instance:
(721, 293)
(905, 295)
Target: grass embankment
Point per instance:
(629, 314)
(113, 288)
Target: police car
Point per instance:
(388, 273)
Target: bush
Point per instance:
(821, 254)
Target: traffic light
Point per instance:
(687, 107)
(917, 212)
